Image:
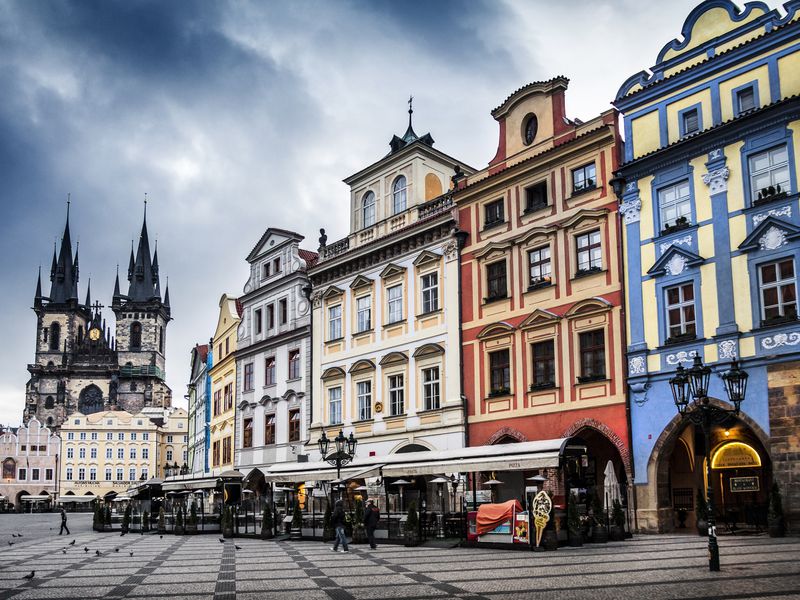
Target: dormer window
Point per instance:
(745, 99)
(531, 127)
(584, 178)
(399, 195)
(265, 270)
(368, 209)
(691, 122)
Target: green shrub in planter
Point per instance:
(775, 523)
(412, 525)
(574, 525)
(618, 518)
(266, 524)
(327, 529)
(162, 520)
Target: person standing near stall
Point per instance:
(371, 517)
(338, 522)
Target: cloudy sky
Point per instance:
(237, 116)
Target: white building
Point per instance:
(199, 410)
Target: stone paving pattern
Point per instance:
(653, 567)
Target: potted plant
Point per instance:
(327, 529)
(126, 519)
(682, 514)
(96, 519)
(191, 520)
(266, 524)
(776, 526)
(701, 514)
(296, 533)
(145, 521)
(162, 521)
(618, 518)
(227, 522)
(179, 530)
(574, 526)
(107, 519)
(359, 532)
(411, 526)
(599, 533)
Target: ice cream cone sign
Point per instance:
(542, 505)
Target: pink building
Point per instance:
(29, 456)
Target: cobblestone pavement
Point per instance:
(651, 567)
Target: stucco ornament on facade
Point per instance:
(773, 238)
(717, 180)
(780, 339)
(786, 211)
(636, 365)
(450, 249)
(676, 265)
(683, 241)
(727, 349)
(631, 209)
(683, 356)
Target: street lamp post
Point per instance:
(344, 450)
(690, 392)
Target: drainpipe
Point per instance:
(309, 385)
(461, 241)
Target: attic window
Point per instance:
(265, 270)
(531, 125)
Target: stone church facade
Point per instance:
(80, 364)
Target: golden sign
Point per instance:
(736, 455)
(379, 407)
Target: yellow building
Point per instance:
(109, 451)
(223, 385)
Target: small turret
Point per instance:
(37, 298)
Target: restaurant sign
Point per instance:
(745, 484)
(736, 455)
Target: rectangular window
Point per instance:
(83, 435)
(132, 474)
(294, 425)
(34, 474)
(227, 345)
(120, 474)
(70, 453)
(691, 121)
(271, 316)
(397, 400)
(745, 100)
(593, 355)
(120, 453)
(430, 388)
(269, 371)
(493, 213)
(269, 429)
(589, 252)
(364, 313)
(335, 322)
(133, 453)
(94, 435)
(675, 205)
(81, 473)
(69, 473)
(228, 395)
(108, 474)
(145, 453)
(778, 288)
(217, 402)
(539, 269)
(48, 474)
(544, 365)
(769, 173)
(169, 439)
(93, 474)
(499, 373)
(294, 364)
(265, 270)
(430, 292)
(144, 473)
(247, 433)
(283, 310)
(146, 436)
(71, 435)
(121, 436)
(364, 399)
(22, 475)
(680, 312)
(496, 282)
(335, 405)
(215, 454)
(257, 320)
(133, 436)
(81, 452)
(536, 196)
(109, 436)
(276, 265)
(248, 377)
(394, 297)
(584, 178)
(109, 453)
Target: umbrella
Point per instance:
(401, 482)
(493, 482)
(440, 480)
(611, 485)
(361, 488)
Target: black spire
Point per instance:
(409, 137)
(143, 279)
(65, 271)
(131, 263)
(88, 303)
(166, 299)
(37, 299)
(117, 298)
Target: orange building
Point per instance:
(543, 332)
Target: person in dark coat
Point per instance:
(63, 522)
(371, 517)
(338, 522)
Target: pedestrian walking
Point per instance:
(371, 517)
(63, 522)
(338, 521)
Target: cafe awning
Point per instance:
(317, 471)
(188, 484)
(78, 499)
(35, 498)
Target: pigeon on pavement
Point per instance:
(97, 552)
(30, 575)
(237, 547)
(86, 548)
(72, 543)
(63, 551)
(116, 549)
(131, 553)
(221, 541)
(10, 543)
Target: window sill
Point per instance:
(363, 421)
(581, 191)
(429, 313)
(679, 339)
(394, 323)
(540, 285)
(501, 393)
(334, 340)
(779, 322)
(269, 385)
(591, 379)
(588, 272)
(360, 334)
(540, 387)
(495, 299)
(535, 208)
(669, 229)
(291, 379)
(763, 201)
(429, 411)
(493, 225)
(694, 341)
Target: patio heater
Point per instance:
(400, 483)
(440, 481)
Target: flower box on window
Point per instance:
(544, 385)
(683, 337)
(499, 392)
(489, 299)
(770, 194)
(679, 224)
(590, 378)
(541, 282)
(589, 271)
(779, 320)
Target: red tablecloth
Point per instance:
(492, 515)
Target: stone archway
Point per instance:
(609, 434)
(506, 435)
(90, 400)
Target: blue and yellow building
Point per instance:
(711, 249)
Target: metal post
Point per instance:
(713, 547)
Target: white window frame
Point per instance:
(364, 399)
(779, 284)
(335, 405)
(429, 284)
(334, 322)
(394, 303)
(120, 474)
(771, 169)
(399, 195)
(368, 204)
(680, 204)
(69, 473)
(544, 265)
(431, 388)
(397, 397)
(364, 313)
(593, 261)
(680, 305)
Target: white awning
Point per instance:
(189, 484)
(35, 498)
(79, 499)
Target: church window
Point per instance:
(55, 336)
(49, 402)
(136, 336)
(161, 339)
(399, 195)
(368, 209)
(9, 468)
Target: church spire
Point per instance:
(166, 299)
(37, 298)
(65, 273)
(88, 303)
(142, 276)
(117, 298)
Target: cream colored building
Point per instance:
(109, 451)
(385, 309)
(223, 385)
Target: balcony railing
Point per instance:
(335, 249)
(435, 206)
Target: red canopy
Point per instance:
(492, 515)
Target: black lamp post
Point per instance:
(690, 392)
(344, 450)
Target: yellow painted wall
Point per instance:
(741, 281)
(760, 74)
(650, 311)
(736, 178)
(703, 97)
(789, 70)
(646, 137)
(646, 214)
(712, 23)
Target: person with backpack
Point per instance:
(63, 522)
(337, 522)
(371, 517)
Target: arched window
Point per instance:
(399, 195)
(55, 336)
(9, 469)
(368, 209)
(49, 421)
(136, 336)
(531, 127)
(49, 402)
(90, 400)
